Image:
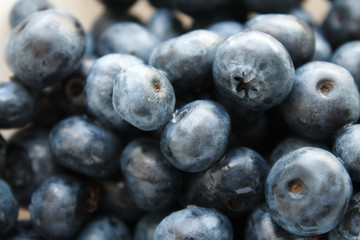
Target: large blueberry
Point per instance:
(8, 208)
(253, 70)
(346, 147)
(143, 96)
(154, 184)
(129, 38)
(18, 105)
(85, 147)
(197, 136)
(194, 223)
(187, 59)
(58, 207)
(291, 31)
(105, 228)
(235, 184)
(308, 191)
(24, 8)
(98, 90)
(323, 99)
(45, 48)
(348, 56)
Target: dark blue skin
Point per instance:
(153, 184)
(346, 147)
(349, 228)
(347, 56)
(308, 191)
(8, 208)
(277, 6)
(143, 96)
(164, 24)
(85, 147)
(226, 28)
(342, 23)
(235, 184)
(116, 199)
(292, 143)
(58, 207)
(129, 38)
(197, 136)
(187, 59)
(323, 50)
(194, 223)
(253, 70)
(146, 226)
(23, 231)
(290, 30)
(45, 48)
(18, 105)
(24, 8)
(29, 161)
(105, 228)
(323, 99)
(99, 87)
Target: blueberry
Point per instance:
(349, 228)
(323, 99)
(187, 59)
(45, 48)
(105, 228)
(24, 8)
(29, 161)
(129, 38)
(253, 70)
(98, 90)
(164, 24)
(146, 226)
(235, 184)
(226, 28)
(346, 148)
(290, 30)
(152, 183)
(143, 96)
(85, 147)
(18, 105)
(347, 56)
(308, 191)
(342, 23)
(8, 208)
(197, 136)
(58, 207)
(194, 223)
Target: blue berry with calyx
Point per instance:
(290, 30)
(324, 98)
(143, 96)
(253, 70)
(346, 148)
(235, 184)
(194, 222)
(45, 48)
(9, 208)
(187, 59)
(59, 207)
(24, 8)
(152, 182)
(83, 146)
(18, 105)
(105, 227)
(197, 136)
(308, 191)
(98, 89)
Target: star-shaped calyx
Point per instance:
(244, 86)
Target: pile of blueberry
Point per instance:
(237, 128)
